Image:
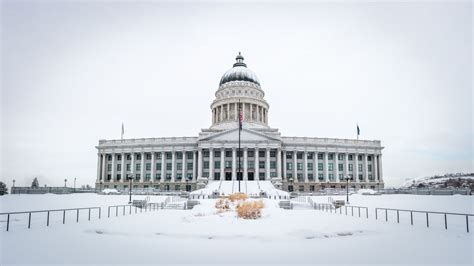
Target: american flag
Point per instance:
(241, 119)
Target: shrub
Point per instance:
(222, 205)
(250, 210)
(238, 197)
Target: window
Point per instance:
(320, 167)
(310, 176)
(272, 165)
(299, 155)
(289, 175)
(168, 176)
(228, 154)
(289, 155)
(330, 166)
(289, 166)
(138, 156)
(179, 176)
(261, 164)
(158, 166)
(109, 167)
(361, 177)
(137, 177)
(331, 176)
(320, 156)
(369, 167)
(148, 156)
(138, 167)
(168, 166)
(320, 176)
(340, 156)
(179, 166)
(273, 154)
(350, 157)
(177, 187)
(359, 157)
(119, 176)
(330, 156)
(350, 167)
(370, 177)
(147, 176)
(189, 155)
(109, 177)
(189, 176)
(206, 165)
(299, 166)
(128, 167)
(119, 157)
(311, 188)
(168, 155)
(273, 174)
(310, 155)
(217, 164)
(205, 154)
(341, 167)
(310, 166)
(148, 166)
(341, 176)
(119, 167)
(261, 154)
(190, 166)
(300, 177)
(217, 154)
(129, 157)
(217, 176)
(179, 155)
(261, 176)
(158, 176)
(109, 157)
(301, 188)
(250, 153)
(159, 156)
(251, 164)
(360, 167)
(369, 158)
(228, 164)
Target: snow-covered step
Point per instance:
(175, 206)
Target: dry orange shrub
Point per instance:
(237, 197)
(222, 205)
(250, 210)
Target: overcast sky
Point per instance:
(73, 72)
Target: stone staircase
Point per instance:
(174, 203)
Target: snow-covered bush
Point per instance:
(250, 209)
(222, 205)
(237, 197)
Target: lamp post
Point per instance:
(13, 182)
(65, 182)
(75, 184)
(347, 178)
(130, 179)
(100, 186)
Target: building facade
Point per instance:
(292, 163)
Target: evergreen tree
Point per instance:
(35, 183)
(3, 189)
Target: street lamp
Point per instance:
(130, 178)
(347, 178)
(75, 184)
(13, 182)
(65, 182)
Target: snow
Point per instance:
(202, 236)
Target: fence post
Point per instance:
(411, 217)
(29, 220)
(467, 223)
(445, 222)
(398, 218)
(352, 208)
(77, 217)
(367, 212)
(108, 212)
(64, 216)
(89, 214)
(427, 222)
(130, 212)
(8, 222)
(376, 213)
(359, 211)
(123, 210)
(135, 209)
(100, 210)
(386, 216)
(116, 211)
(47, 220)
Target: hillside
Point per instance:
(458, 180)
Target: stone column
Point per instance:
(336, 167)
(132, 165)
(184, 167)
(305, 166)
(278, 163)
(114, 178)
(153, 167)
(222, 164)
(295, 166)
(228, 112)
(211, 160)
(315, 168)
(257, 166)
(122, 172)
(267, 165)
(375, 173)
(163, 166)
(325, 168)
(234, 164)
(366, 168)
(346, 164)
(199, 164)
(236, 111)
(380, 168)
(245, 176)
(142, 174)
(98, 167)
(355, 170)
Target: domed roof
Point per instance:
(239, 72)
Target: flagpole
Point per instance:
(238, 152)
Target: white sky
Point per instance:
(73, 72)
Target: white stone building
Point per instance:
(292, 163)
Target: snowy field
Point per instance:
(201, 236)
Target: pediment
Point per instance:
(233, 135)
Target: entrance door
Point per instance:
(228, 176)
(250, 176)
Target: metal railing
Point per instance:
(123, 208)
(331, 208)
(445, 214)
(48, 212)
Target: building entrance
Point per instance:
(250, 176)
(228, 176)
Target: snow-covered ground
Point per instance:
(251, 188)
(203, 236)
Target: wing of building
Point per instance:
(291, 163)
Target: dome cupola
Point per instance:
(239, 72)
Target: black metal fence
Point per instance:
(331, 208)
(442, 214)
(48, 212)
(91, 211)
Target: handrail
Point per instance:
(53, 210)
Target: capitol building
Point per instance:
(305, 164)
